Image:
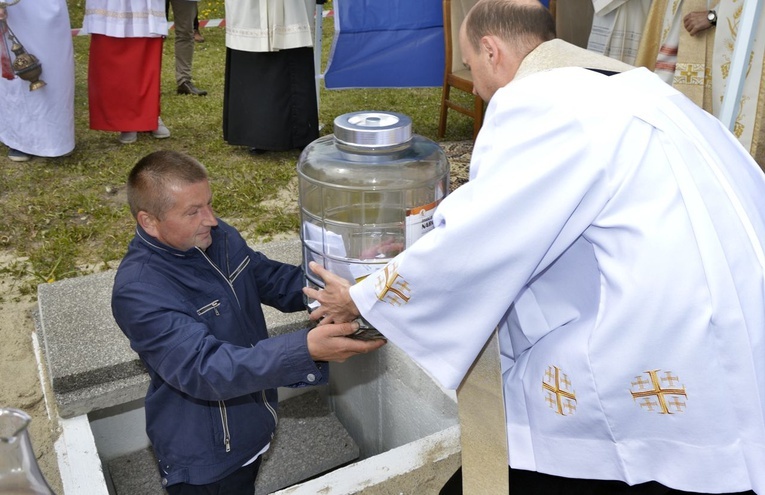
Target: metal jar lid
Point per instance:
(368, 129)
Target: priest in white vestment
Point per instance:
(39, 122)
(617, 26)
(685, 27)
(613, 232)
(750, 119)
(695, 57)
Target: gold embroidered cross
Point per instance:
(559, 397)
(684, 73)
(390, 287)
(660, 395)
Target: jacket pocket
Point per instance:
(211, 306)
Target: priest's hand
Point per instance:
(696, 22)
(333, 342)
(335, 298)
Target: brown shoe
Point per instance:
(198, 36)
(189, 89)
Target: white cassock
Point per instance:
(40, 122)
(269, 25)
(125, 18)
(617, 26)
(615, 232)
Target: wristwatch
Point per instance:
(712, 17)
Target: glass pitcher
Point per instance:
(19, 471)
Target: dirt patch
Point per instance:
(21, 385)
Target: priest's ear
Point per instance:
(503, 56)
(489, 49)
(499, 54)
(148, 222)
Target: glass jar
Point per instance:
(367, 192)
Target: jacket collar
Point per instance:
(156, 245)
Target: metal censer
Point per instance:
(19, 472)
(25, 65)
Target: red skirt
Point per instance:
(124, 83)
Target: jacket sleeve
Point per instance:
(280, 285)
(182, 351)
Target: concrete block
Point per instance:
(83, 345)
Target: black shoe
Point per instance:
(189, 89)
(257, 151)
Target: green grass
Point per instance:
(68, 216)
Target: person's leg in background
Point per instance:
(184, 12)
(198, 38)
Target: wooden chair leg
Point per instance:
(442, 114)
(477, 116)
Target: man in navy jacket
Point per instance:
(188, 295)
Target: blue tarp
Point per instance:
(387, 44)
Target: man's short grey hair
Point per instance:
(151, 178)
